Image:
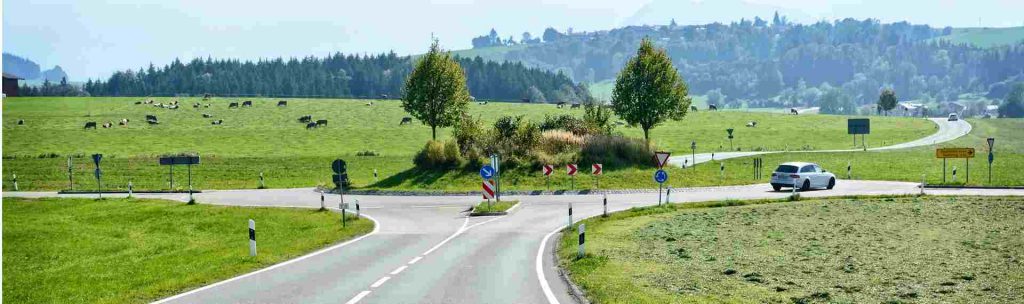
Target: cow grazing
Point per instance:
(482, 103)
(311, 125)
(247, 103)
(575, 106)
(21, 122)
(107, 125)
(206, 97)
(383, 96)
(173, 107)
(138, 102)
(712, 107)
(751, 124)
(560, 105)
(123, 122)
(321, 122)
(693, 108)
(153, 122)
(207, 115)
(526, 100)
(282, 103)
(150, 117)
(405, 120)
(206, 105)
(195, 105)
(794, 111)
(90, 124)
(217, 122)
(232, 105)
(369, 102)
(305, 119)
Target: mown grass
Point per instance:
(269, 139)
(493, 206)
(849, 250)
(133, 250)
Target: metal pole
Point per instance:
(171, 174)
(190, 199)
(659, 194)
(548, 182)
(967, 179)
(943, 170)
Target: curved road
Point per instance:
(948, 130)
(426, 250)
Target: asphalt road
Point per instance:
(425, 250)
(948, 130)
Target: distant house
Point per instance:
(911, 109)
(11, 85)
(991, 111)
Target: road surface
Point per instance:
(425, 250)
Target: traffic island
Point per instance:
(493, 208)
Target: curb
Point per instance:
(498, 213)
(972, 187)
(575, 291)
(126, 192)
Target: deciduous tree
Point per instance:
(435, 92)
(649, 90)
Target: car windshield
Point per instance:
(786, 169)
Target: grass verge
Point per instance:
(842, 250)
(494, 207)
(120, 250)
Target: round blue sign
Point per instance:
(487, 172)
(660, 176)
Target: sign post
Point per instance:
(693, 152)
(71, 175)
(188, 161)
(488, 190)
(860, 126)
(991, 157)
(596, 170)
(548, 169)
(340, 178)
(99, 184)
(965, 153)
(571, 171)
(15, 181)
(660, 177)
(496, 164)
(730, 138)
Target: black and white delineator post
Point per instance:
(15, 181)
(922, 184)
(71, 175)
(568, 225)
(357, 209)
(342, 207)
(795, 180)
(130, 188)
(954, 174)
(322, 205)
(991, 157)
(668, 195)
(605, 214)
(262, 185)
(583, 240)
(721, 169)
(849, 168)
(252, 237)
(375, 176)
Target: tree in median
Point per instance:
(887, 101)
(1013, 106)
(649, 90)
(435, 92)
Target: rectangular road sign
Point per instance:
(858, 126)
(954, 153)
(570, 169)
(179, 160)
(488, 188)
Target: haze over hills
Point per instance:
(29, 70)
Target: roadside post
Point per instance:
(569, 224)
(954, 174)
(340, 178)
(188, 161)
(71, 175)
(795, 180)
(693, 151)
(548, 169)
(496, 165)
(991, 157)
(605, 213)
(262, 185)
(730, 138)
(596, 170)
(252, 237)
(668, 195)
(358, 212)
(570, 170)
(15, 175)
(849, 170)
(375, 179)
(342, 207)
(922, 184)
(130, 188)
(488, 190)
(99, 184)
(322, 205)
(582, 238)
(721, 169)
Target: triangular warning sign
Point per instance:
(660, 158)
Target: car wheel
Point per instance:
(806, 186)
(831, 183)
(777, 188)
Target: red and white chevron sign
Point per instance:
(570, 169)
(548, 169)
(488, 186)
(597, 169)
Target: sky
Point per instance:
(93, 38)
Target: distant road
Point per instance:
(948, 130)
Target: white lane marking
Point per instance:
(437, 206)
(450, 237)
(399, 270)
(376, 228)
(358, 297)
(540, 268)
(380, 282)
(414, 260)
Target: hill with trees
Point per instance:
(776, 63)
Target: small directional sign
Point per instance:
(570, 169)
(96, 158)
(338, 166)
(660, 158)
(660, 176)
(548, 169)
(487, 172)
(596, 169)
(488, 187)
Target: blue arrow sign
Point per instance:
(660, 176)
(487, 172)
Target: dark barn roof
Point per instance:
(11, 76)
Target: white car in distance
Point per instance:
(803, 176)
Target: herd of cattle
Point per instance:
(174, 105)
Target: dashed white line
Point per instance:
(358, 297)
(414, 260)
(379, 282)
(399, 269)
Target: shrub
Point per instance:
(514, 139)
(438, 155)
(565, 122)
(616, 151)
(367, 153)
(469, 135)
(558, 141)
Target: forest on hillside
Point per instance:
(778, 63)
(338, 75)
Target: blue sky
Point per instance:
(91, 38)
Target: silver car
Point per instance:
(803, 176)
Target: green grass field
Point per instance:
(986, 37)
(269, 139)
(867, 250)
(134, 251)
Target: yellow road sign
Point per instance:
(954, 153)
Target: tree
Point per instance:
(1013, 106)
(536, 95)
(550, 35)
(649, 90)
(435, 92)
(887, 101)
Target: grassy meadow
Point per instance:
(854, 250)
(269, 139)
(134, 251)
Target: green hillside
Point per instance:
(986, 37)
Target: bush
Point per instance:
(514, 139)
(565, 122)
(616, 151)
(367, 153)
(469, 135)
(438, 155)
(558, 141)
